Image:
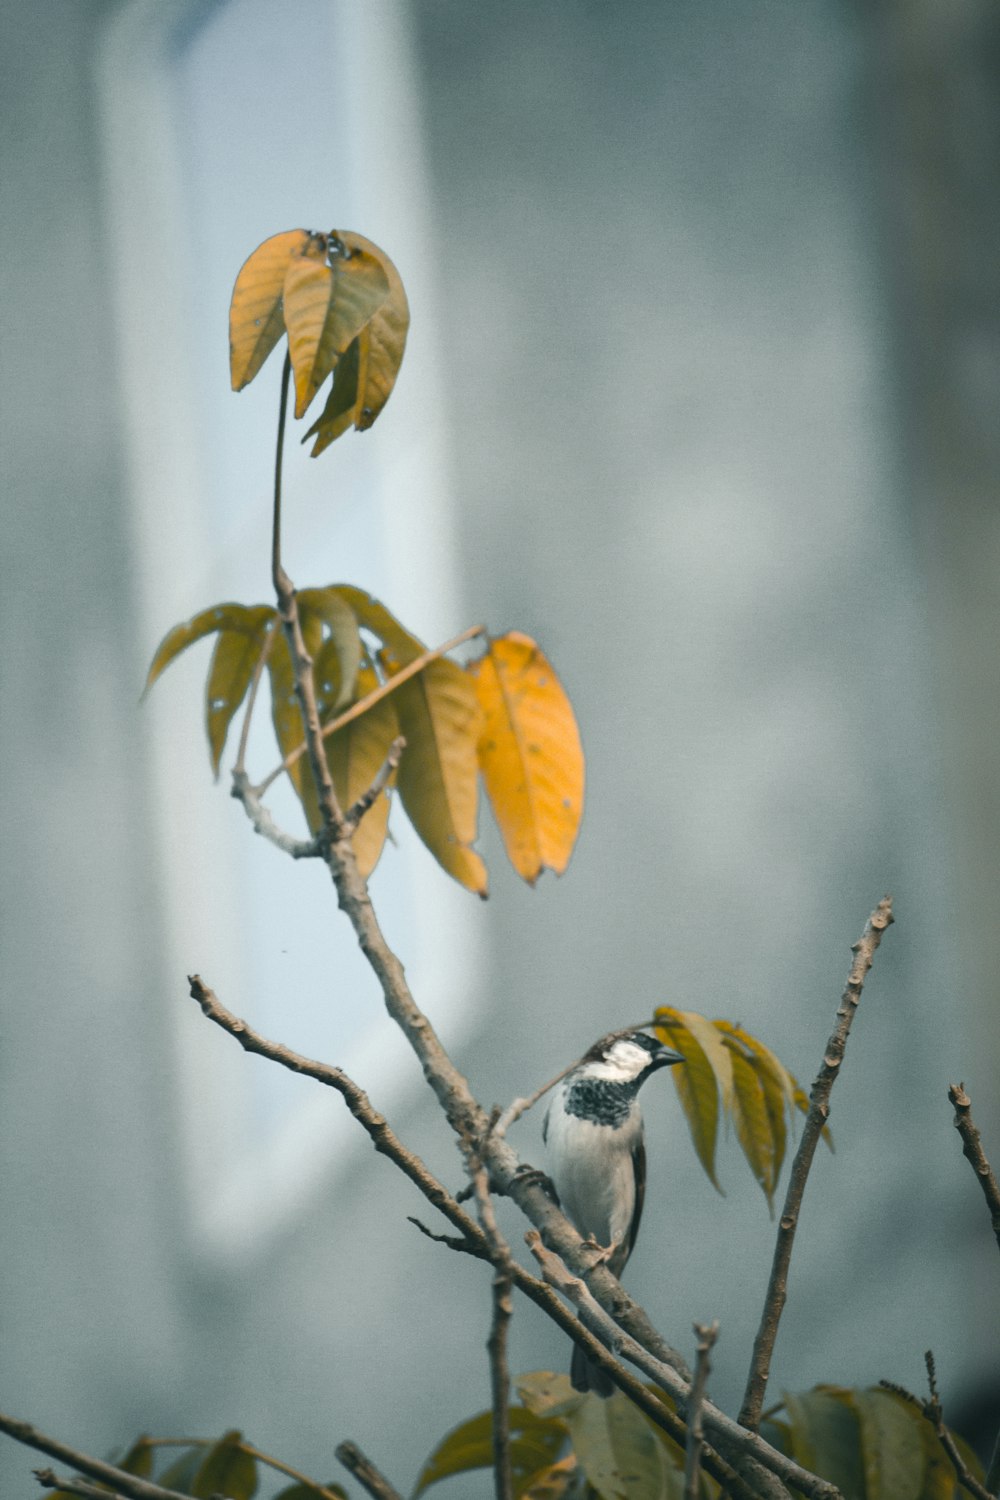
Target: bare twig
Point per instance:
(129, 1485)
(365, 1472)
(706, 1334)
(280, 579)
(265, 825)
(934, 1412)
(518, 1107)
(358, 809)
(735, 1442)
(49, 1480)
(503, 1275)
(258, 672)
(819, 1109)
(375, 696)
(972, 1150)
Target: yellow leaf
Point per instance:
(339, 627)
(530, 755)
(256, 316)
(219, 617)
(440, 718)
(718, 1054)
(343, 403)
(696, 1085)
(777, 1085)
(355, 755)
(233, 660)
(753, 1127)
(330, 293)
(552, 1482)
(375, 617)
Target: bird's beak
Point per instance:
(665, 1058)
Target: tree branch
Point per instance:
(706, 1334)
(365, 1472)
(49, 1480)
(264, 824)
(503, 1276)
(934, 1412)
(819, 1110)
(129, 1485)
(972, 1150)
(357, 811)
(472, 1238)
(735, 1442)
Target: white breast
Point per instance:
(591, 1166)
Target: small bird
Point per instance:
(597, 1160)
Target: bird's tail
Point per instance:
(586, 1376)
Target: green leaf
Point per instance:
(892, 1445)
(180, 1475)
(617, 1450)
(307, 1491)
(228, 1470)
(236, 654)
(826, 1437)
(697, 1087)
(438, 775)
(535, 1444)
(219, 617)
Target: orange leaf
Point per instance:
(256, 315)
(530, 755)
(330, 294)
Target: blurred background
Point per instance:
(701, 391)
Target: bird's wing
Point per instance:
(639, 1172)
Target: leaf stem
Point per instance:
(279, 577)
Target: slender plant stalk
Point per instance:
(279, 577)
(819, 1110)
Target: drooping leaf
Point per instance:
(617, 1451)
(530, 755)
(374, 616)
(697, 1088)
(892, 1445)
(440, 719)
(752, 1122)
(256, 317)
(777, 1084)
(366, 372)
(535, 1445)
(355, 754)
(226, 1470)
(138, 1459)
(287, 720)
(330, 293)
(339, 628)
(826, 1438)
(234, 659)
(206, 622)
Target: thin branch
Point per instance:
(264, 824)
(739, 1445)
(706, 1334)
(129, 1485)
(472, 1237)
(279, 577)
(972, 1150)
(367, 799)
(934, 1412)
(49, 1480)
(503, 1275)
(518, 1107)
(365, 1472)
(819, 1110)
(375, 696)
(258, 672)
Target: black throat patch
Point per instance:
(600, 1100)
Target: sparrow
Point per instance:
(597, 1160)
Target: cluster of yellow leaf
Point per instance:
(504, 717)
(871, 1443)
(342, 304)
(729, 1072)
